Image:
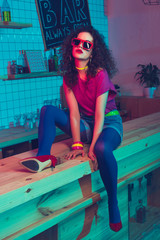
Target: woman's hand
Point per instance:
(91, 154)
(74, 153)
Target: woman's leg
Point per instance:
(106, 143)
(50, 118)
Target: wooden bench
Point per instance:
(70, 202)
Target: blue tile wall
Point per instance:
(28, 95)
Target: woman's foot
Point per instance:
(37, 164)
(114, 217)
(115, 226)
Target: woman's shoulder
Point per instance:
(101, 72)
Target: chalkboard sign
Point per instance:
(58, 17)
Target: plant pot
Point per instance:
(149, 92)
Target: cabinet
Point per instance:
(138, 106)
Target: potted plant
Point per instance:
(149, 77)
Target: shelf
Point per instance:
(16, 135)
(14, 25)
(28, 75)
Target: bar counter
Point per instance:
(69, 201)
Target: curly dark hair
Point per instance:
(101, 57)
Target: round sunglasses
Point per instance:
(87, 45)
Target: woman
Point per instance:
(93, 118)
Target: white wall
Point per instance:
(134, 38)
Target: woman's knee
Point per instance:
(102, 148)
(48, 108)
(99, 147)
(48, 111)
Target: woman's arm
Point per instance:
(74, 112)
(74, 120)
(99, 121)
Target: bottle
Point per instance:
(6, 13)
(55, 60)
(45, 61)
(9, 68)
(51, 62)
(140, 212)
(14, 69)
(0, 14)
(25, 65)
(20, 62)
(37, 118)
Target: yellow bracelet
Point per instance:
(77, 145)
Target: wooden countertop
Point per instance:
(17, 135)
(34, 202)
(140, 135)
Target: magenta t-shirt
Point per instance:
(87, 92)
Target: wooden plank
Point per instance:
(124, 181)
(14, 25)
(136, 161)
(29, 75)
(142, 122)
(29, 189)
(17, 135)
(97, 227)
(135, 145)
(50, 216)
(46, 217)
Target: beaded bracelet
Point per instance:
(77, 146)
